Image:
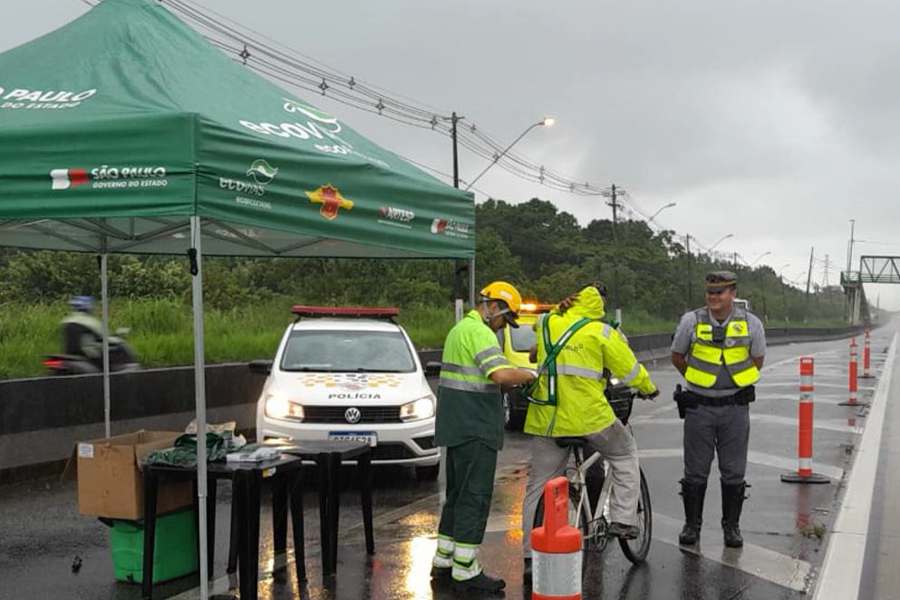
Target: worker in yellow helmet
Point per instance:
(469, 425)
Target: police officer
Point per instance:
(719, 349)
(469, 426)
(574, 349)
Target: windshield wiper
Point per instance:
(364, 370)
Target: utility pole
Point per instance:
(825, 272)
(454, 119)
(850, 248)
(809, 276)
(615, 208)
(735, 260)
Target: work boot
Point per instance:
(526, 569)
(621, 530)
(692, 496)
(441, 574)
(480, 583)
(732, 503)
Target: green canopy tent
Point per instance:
(126, 132)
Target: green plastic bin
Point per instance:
(175, 553)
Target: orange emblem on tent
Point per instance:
(331, 200)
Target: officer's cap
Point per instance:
(718, 280)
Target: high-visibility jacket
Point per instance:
(707, 356)
(469, 403)
(581, 406)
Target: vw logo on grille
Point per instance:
(352, 415)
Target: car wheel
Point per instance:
(429, 473)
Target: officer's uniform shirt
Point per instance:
(686, 335)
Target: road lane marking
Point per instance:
(838, 425)
(761, 562)
(753, 457)
(842, 569)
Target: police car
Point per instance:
(351, 373)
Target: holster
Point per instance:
(684, 400)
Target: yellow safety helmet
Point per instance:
(507, 293)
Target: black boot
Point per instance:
(692, 495)
(732, 503)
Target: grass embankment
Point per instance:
(162, 331)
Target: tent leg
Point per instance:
(200, 396)
(471, 283)
(104, 298)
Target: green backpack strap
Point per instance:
(549, 363)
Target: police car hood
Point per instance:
(588, 304)
(357, 388)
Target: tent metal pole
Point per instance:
(200, 396)
(472, 282)
(104, 298)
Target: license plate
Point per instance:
(369, 437)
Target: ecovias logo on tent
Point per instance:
(262, 172)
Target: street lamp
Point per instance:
(713, 247)
(662, 208)
(545, 122)
(764, 254)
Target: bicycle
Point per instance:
(589, 491)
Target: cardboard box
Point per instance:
(110, 481)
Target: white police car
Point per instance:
(350, 373)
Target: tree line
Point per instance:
(543, 250)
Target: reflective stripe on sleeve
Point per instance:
(632, 374)
(454, 368)
(467, 386)
(493, 364)
(489, 353)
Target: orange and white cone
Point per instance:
(804, 472)
(556, 548)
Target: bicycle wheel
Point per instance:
(636, 550)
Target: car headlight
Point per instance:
(279, 407)
(423, 408)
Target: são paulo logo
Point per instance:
(331, 200)
(107, 177)
(27, 99)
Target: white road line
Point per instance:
(826, 424)
(756, 560)
(842, 569)
(753, 457)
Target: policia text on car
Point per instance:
(719, 349)
(470, 427)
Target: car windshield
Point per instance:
(348, 351)
(523, 338)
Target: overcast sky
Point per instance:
(775, 121)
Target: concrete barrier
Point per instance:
(42, 418)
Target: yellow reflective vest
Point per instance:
(731, 349)
(581, 406)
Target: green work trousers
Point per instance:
(470, 486)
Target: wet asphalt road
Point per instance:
(41, 532)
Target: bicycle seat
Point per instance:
(571, 442)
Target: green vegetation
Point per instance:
(545, 252)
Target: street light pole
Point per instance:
(713, 247)
(757, 259)
(783, 292)
(662, 208)
(545, 122)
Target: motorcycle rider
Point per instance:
(82, 331)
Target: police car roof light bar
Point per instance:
(362, 312)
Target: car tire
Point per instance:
(429, 473)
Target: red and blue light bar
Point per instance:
(362, 312)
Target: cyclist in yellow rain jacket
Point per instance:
(577, 407)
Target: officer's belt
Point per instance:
(741, 397)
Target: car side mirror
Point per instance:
(260, 367)
(432, 368)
